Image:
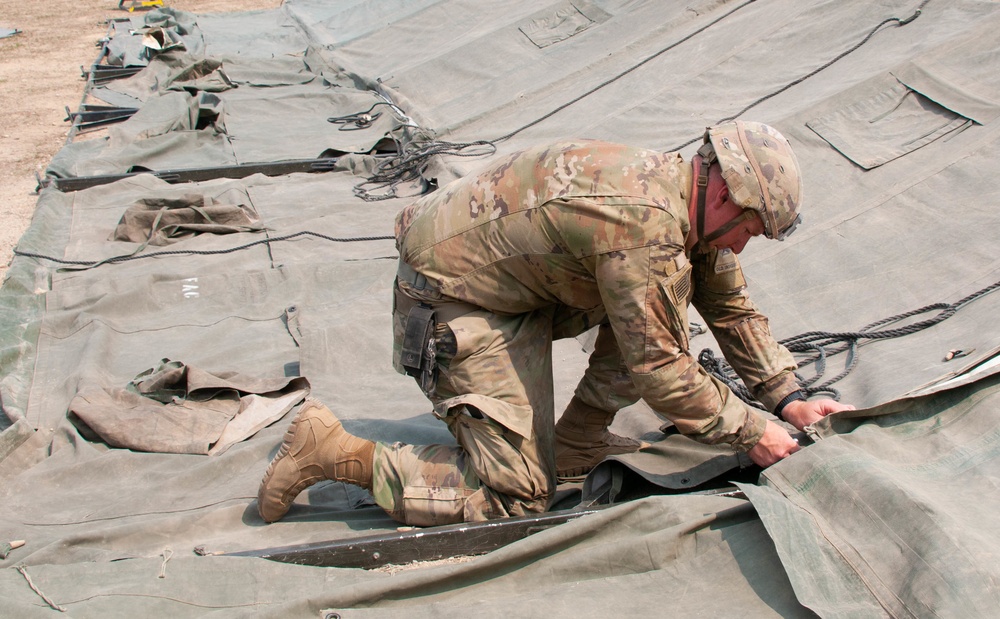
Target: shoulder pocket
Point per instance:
(721, 273)
(677, 288)
(677, 285)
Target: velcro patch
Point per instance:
(726, 261)
(678, 285)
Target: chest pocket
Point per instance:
(721, 273)
(678, 290)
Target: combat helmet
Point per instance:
(760, 171)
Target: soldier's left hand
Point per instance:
(802, 413)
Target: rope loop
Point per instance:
(816, 347)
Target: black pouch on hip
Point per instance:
(417, 355)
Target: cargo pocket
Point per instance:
(492, 433)
(912, 108)
(757, 350)
(427, 506)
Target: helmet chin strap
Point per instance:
(707, 152)
(746, 215)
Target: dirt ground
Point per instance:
(40, 75)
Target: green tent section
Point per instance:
(192, 271)
(886, 512)
(883, 516)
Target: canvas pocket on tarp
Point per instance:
(921, 102)
(561, 21)
(888, 125)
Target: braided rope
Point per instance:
(818, 346)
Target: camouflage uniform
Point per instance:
(545, 244)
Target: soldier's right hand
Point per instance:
(776, 444)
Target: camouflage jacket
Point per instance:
(600, 228)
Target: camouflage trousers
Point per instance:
(494, 391)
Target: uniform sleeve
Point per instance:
(743, 333)
(646, 291)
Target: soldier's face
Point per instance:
(737, 238)
(753, 227)
(722, 215)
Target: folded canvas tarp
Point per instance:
(884, 516)
(897, 142)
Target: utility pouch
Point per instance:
(417, 355)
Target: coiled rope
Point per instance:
(818, 346)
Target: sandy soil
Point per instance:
(40, 75)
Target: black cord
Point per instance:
(89, 264)
(899, 22)
(624, 73)
(818, 346)
(412, 158)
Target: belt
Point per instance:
(445, 310)
(408, 274)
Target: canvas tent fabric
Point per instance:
(932, 458)
(883, 516)
(696, 555)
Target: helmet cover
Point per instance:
(761, 172)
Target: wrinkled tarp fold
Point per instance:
(893, 504)
(665, 547)
(176, 408)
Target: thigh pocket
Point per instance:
(425, 506)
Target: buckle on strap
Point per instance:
(408, 274)
(708, 157)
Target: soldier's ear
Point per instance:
(719, 196)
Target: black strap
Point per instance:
(798, 394)
(729, 225)
(707, 152)
(408, 274)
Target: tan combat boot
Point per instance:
(583, 441)
(316, 447)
